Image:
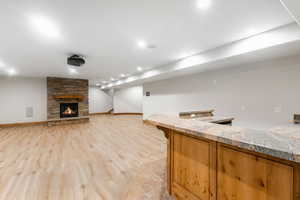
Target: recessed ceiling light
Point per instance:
(203, 4)
(73, 71)
(97, 84)
(11, 72)
(142, 44)
(139, 68)
(102, 87)
(119, 82)
(112, 79)
(44, 26)
(123, 75)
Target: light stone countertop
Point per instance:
(211, 119)
(281, 142)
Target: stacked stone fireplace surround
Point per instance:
(69, 90)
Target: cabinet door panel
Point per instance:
(182, 194)
(194, 166)
(242, 176)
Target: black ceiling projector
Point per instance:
(76, 60)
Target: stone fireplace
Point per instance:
(67, 101)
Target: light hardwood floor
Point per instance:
(110, 158)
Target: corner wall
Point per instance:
(100, 101)
(261, 95)
(128, 100)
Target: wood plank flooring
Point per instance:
(110, 158)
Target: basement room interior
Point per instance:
(150, 100)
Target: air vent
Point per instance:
(29, 112)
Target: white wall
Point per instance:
(293, 7)
(128, 100)
(99, 101)
(17, 94)
(260, 95)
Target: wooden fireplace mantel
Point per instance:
(69, 96)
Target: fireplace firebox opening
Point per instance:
(68, 110)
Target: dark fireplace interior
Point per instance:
(68, 110)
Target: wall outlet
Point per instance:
(243, 108)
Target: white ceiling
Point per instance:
(105, 32)
(278, 52)
(277, 43)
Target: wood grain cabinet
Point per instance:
(242, 176)
(194, 168)
(200, 169)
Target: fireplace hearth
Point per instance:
(68, 110)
